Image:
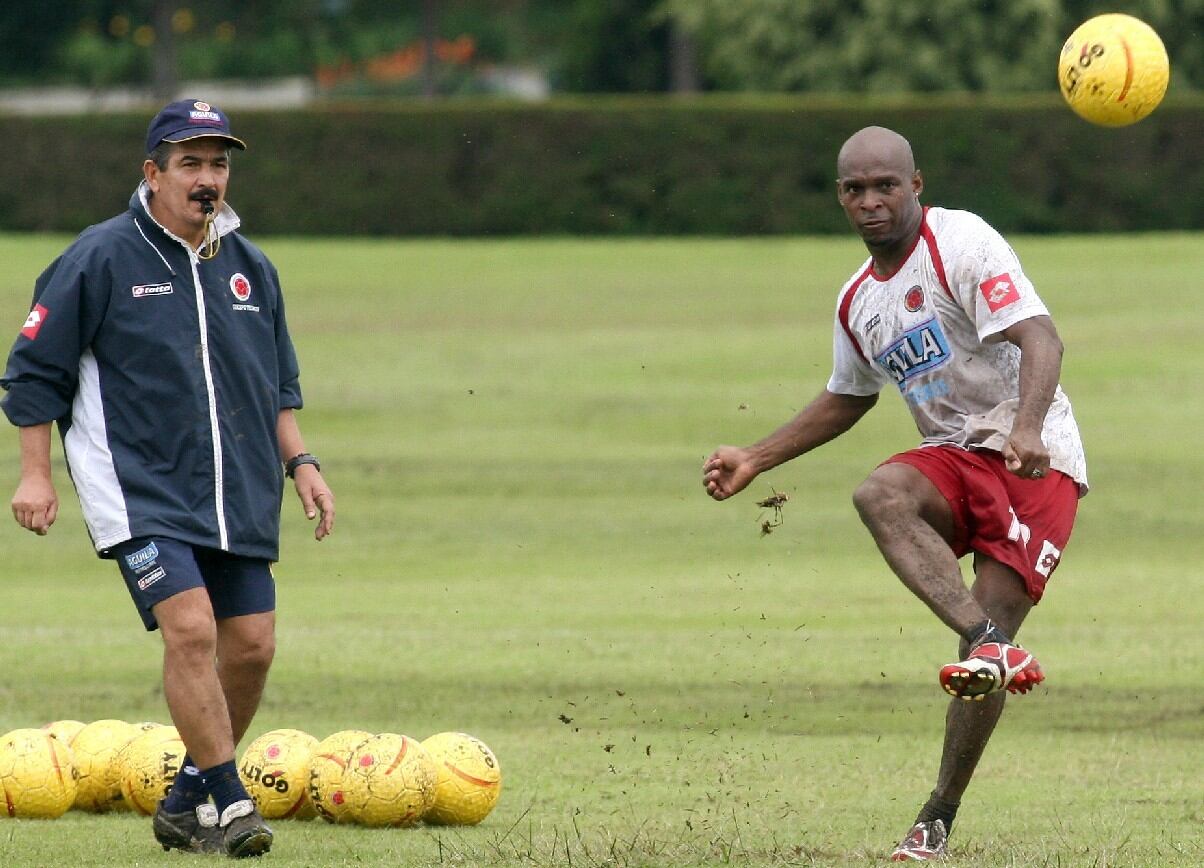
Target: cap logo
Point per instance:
(189, 119)
(240, 286)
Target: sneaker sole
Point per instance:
(976, 685)
(967, 685)
(256, 843)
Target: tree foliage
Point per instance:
(591, 46)
(912, 45)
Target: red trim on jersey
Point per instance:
(882, 278)
(843, 311)
(935, 254)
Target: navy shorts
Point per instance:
(155, 568)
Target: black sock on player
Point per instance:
(188, 789)
(986, 631)
(224, 785)
(937, 808)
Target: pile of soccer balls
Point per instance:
(353, 776)
(386, 779)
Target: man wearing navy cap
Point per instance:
(158, 343)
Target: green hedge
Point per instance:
(628, 166)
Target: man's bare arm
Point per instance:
(1040, 368)
(730, 469)
(35, 503)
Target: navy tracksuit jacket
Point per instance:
(166, 374)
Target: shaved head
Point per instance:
(875, 146)
(879, 188)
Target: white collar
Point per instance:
(225, 222)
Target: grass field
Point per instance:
(514, 432)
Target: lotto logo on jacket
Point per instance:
(33, 323)
(917, 350)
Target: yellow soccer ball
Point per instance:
(470, 779)
(389, 781)
(63, 730)
(326, 770)
(36, 775)
(1113, 70)
(275, 770)
(94, 750)
(148, 765)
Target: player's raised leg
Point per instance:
(913, 525)
(968, 725)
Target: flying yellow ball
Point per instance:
(1113, 70)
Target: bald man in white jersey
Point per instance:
(943, 311)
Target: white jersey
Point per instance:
(933, 329)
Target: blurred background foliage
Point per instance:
(440, 47)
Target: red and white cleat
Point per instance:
(991, 667)
(925, 842)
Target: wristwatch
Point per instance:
(296, 461)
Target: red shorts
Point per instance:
(1023, 523)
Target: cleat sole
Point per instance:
(253, 845)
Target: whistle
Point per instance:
(212, 242)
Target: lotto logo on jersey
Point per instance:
(33, 322)
(1047, 561)
(919, 349)
(999, 291)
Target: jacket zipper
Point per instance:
(219, 495)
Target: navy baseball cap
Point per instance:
(189, 119)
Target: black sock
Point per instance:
(986, 631)
(224, 784)
(187, 791)
(937, 808)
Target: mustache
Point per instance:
(207, 194)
